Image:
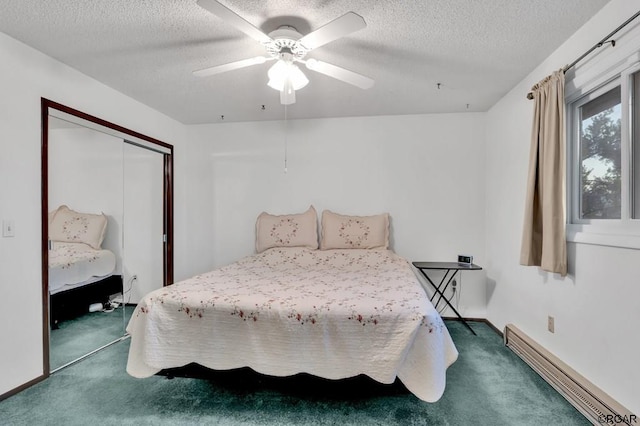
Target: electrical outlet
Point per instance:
(454, 285)
(551, 324)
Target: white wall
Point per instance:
(427, 171)
(25, 76)
(596, 305)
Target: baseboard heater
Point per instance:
(592, 402)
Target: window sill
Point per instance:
(589, 234)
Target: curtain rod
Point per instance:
(601, 43)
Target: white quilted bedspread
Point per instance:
(74, 263)
(334, 314)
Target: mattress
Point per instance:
(331, 313)
(75, 264)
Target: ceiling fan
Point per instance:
(287, 47)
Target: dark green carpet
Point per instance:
(76, 337)
(488, 385)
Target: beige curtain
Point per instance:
(543, 235)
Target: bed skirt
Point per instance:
(75, 302)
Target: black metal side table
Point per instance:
(450, 268)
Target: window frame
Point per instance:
(623, 232)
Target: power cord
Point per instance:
(111, 305)
(128, 291)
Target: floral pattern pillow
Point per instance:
(293, 230)
(358, 232)
(69, 226)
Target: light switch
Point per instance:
(8, 229)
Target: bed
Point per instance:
(334, 313)
(81, 272)
(73, 265)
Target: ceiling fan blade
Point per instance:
(218, 69)
(234, 19)
(339, 27)
(339, 73)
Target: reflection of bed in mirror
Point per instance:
(81, 271)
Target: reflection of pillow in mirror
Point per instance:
(52, 214)
(70, 226)
(357, 232)
(292, 230)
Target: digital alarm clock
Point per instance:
(465, 259)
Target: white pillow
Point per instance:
(354, 232)
(292, 230)
(52, 214)
(69, 226)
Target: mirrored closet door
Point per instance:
(107, 230)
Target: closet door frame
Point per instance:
(46, 106)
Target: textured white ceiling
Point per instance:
(147, 49)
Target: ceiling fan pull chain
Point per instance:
(285, 139)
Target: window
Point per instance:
(600, 159)
(635, 135)
(604, 156)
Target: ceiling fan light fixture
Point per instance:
(285, 74)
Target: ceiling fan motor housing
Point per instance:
(285, 40)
